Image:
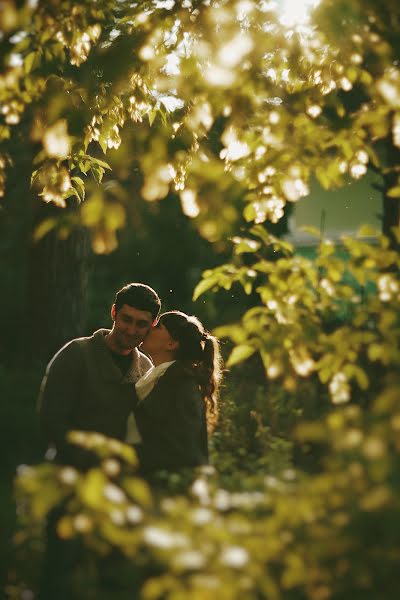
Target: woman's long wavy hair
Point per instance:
(199, 351)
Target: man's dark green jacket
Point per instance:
(84, 389)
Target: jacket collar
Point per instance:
(108, 370)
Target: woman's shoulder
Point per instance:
(179, 379)
(179, 370)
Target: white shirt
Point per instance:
(146, 382)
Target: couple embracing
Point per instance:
(162, 397)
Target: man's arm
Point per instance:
(58, 394)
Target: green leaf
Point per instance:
(322, 177)
(58, 52)
(203, 286)
(249, 213)
(367, 231)
(80, 184)
(49, 496)
(248, 287)
(39, 157)
(375, 352)
(138, 490)
(103, 143)
(396, 233)
(46, 35)
(325, 374)
(243, 245)
(311, 230)
(29, 60)
(235, 332)
(394, 192)
(72, 192)
(91, 489)
(239, 354)
(44, 228)
(48, 54)
(151, 116)
(84, 166)
(114, 216)
(5, 133)
(358, 374)
(97, 172)
(99, 162)
(34, 175)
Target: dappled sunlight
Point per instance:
(56, 142)
(295, 12)
(190, 206)
(234, 148)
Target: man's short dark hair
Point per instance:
(140, 296)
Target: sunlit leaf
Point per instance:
(394, 192)
(29, 60)
(91, 488)
(239, 354)
(80, 184)
(138, 490)
(243, 245)
(203, 286)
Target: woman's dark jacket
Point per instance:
(172, 423)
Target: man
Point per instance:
(88, 384)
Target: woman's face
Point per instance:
(158, 340)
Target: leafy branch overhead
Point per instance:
(222, 101)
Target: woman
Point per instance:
(177, 399)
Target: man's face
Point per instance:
(131, 325)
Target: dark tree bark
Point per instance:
(57, 290)
(44, 303)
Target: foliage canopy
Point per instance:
(221, 101)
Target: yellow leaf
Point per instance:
(311, 230)
(92, 210)
(138, 490)
(65, 528)
(367, 231)
(90, 490)
(114, 216)
(394, 192)
(375, 352)
(43, 229)
(29, 60)
(325, 375)
(203, 286)
(239, 354)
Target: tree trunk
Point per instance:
(57, 290)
